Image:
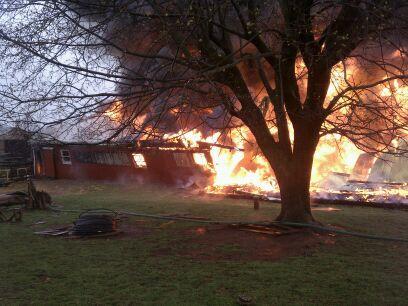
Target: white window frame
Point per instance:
(66, 158)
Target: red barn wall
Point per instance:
(92, 171)
(161, 166)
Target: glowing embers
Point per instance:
(139, 160)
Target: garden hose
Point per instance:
(292, 224)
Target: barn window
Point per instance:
(103, 158)
(139, 159)
(109, 159)
(182, 160)
(116, 160)
(66, 157)
(4, 174)
(22, 172)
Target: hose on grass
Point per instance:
(342, 232)
(292, 224)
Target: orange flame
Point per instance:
(114, 112)
(252, 171)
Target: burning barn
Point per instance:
(184, 159)
(169, 163)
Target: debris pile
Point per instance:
(16, 215)
(32, 199)
(13, 203)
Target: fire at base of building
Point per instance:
(383, 179)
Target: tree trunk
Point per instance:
(294, 181)
(295, 201)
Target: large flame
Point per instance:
(231, 165)
(250, 170)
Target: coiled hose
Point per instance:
(94, 222)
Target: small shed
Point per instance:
(15, 154)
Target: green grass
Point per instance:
(53, 271)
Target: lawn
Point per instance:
(150, 267)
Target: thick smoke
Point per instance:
(169, 97)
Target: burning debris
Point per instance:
(233, 178)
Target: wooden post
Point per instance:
(32, 195)
(256, 203)
(30, 203)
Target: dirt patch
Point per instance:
(136, 229)
(226, 243)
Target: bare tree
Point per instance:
(314, 67)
